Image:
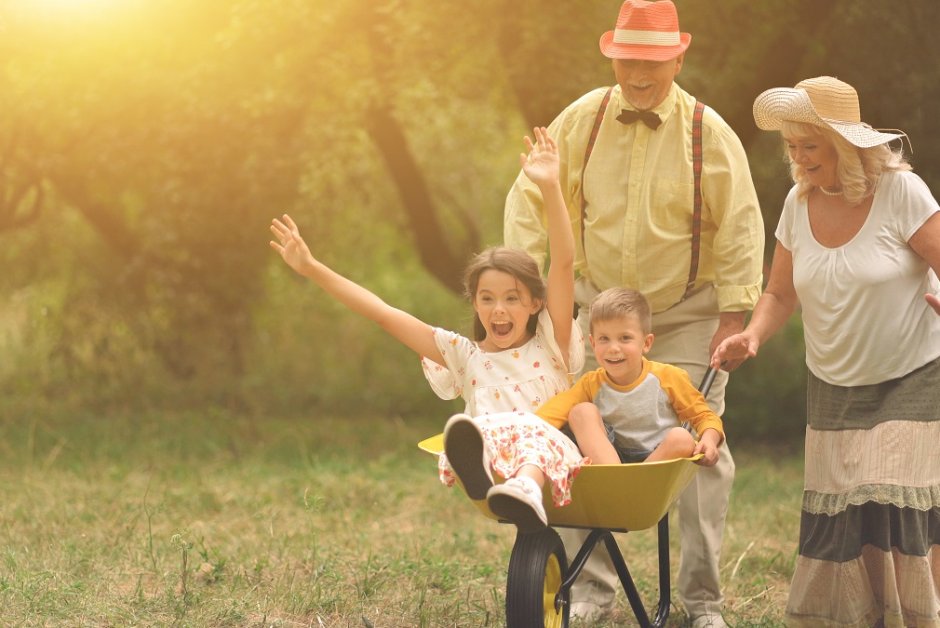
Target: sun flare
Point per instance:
(71, 5)
(67, 15)
(67, 8)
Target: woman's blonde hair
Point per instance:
(513, 262)
(858, 169)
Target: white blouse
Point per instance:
(865, 319)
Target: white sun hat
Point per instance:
(823, 101)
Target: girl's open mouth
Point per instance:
(502, 329)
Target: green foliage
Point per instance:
(766, 396)
(314, 356)
(156, 141)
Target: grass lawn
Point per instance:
(206, 520)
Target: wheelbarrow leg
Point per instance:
(662, 610)
(577, 564)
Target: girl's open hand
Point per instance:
(541, 162)
(290, 245)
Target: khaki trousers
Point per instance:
(682, 337)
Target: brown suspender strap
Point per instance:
(587, 155)
(697, 195)
(696, 173)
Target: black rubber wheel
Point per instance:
(536, 570)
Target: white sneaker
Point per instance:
(709, 620)
(463, 444)
(520, 502)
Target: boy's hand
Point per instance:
(541, 163)
(708, 447)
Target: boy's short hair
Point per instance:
(617, 303)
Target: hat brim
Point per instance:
(774, 106)
(642, 52)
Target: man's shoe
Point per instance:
(709, 620)
(587, 612)
(463, 445)
(520, 502)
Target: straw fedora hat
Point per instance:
(823, 101)
(647, 31)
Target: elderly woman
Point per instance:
(858, 249)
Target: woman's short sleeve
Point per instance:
(911, 202)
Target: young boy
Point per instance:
(631, 409)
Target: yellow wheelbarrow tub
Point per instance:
(618, 497)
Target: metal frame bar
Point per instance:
(626, 580)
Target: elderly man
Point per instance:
(661, 200)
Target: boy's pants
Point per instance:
(682, 337)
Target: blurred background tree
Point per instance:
(145, 146)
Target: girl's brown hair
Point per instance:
(513, 262)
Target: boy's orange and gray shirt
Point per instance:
(641, 412)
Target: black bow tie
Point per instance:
(650, 119)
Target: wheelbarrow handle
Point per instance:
(703, 388)
(707, 381)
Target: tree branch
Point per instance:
(444, 264)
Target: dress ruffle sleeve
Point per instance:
(447, 382)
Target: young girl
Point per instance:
(526, 345)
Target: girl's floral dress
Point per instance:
(502, 390)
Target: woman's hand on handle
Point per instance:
(734, 350)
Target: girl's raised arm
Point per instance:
(410, 331)
(541, 166)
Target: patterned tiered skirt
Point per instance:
(870, 526)
(517, 439)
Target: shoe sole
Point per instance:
(515, 511)
(467, 459)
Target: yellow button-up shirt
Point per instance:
(639, 188)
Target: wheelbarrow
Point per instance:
(605, 498)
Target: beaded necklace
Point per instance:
(827, 192)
